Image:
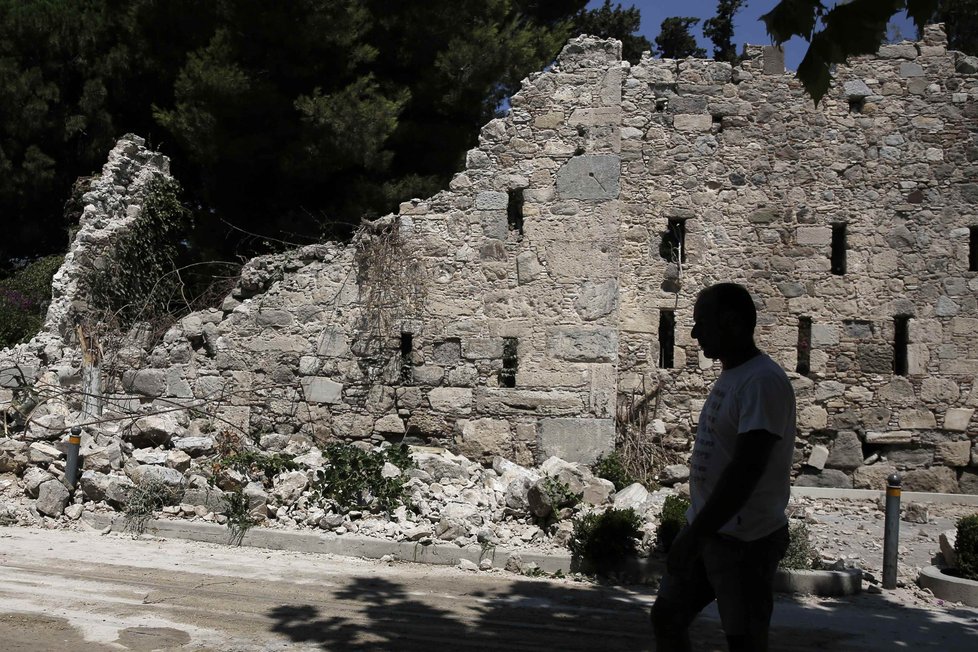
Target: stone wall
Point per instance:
(512, 313)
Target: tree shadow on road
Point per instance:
(532, 614)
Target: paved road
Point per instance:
(84, 592)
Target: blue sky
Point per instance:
(747, 25)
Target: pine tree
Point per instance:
(674, 40)
(720, 30)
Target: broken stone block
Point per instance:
(634, 496)
(674, 474)
(818, 457)
(847, 451)
(481, 439)
(832, 478)
(938, 479)
(52, 496)
(41, 453)
(953, 453)
(872, 476)
(319, 389)
(577, 440)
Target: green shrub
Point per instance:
(600, 542)
(238, 512)
(24, 297)
(559, 493)
(352, 477)
(671, 521)
(966, 547)
(612, 468)
(144, 499)
(800, 554)
(257, 467)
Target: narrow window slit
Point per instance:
(507, 376)
(514, 210)
(901, 339)
(804, 366)
(839, 246)
(407, 348)
(973, 249)
(667, 339)
(672, 248)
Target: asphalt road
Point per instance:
(81, 591)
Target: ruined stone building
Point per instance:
(548, 293)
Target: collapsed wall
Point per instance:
(543, 302)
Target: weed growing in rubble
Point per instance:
(238, 512)
(354, 478)
(966, 547)
(612, 468)
(602, 541)
(143, 500)
(800, 554)
(559, 493)
(253, 465)
(671, 521)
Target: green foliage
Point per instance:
(23, 300)
(256, 466)
(143, 500)
(966, 547)
(671, 521)
(800, 554)
(611, 467)
(138, 280)
(601, 541)
(559, 493)
(674, 40)
(615, 22)
(960, 18)
(720, 30)
(847, 29)
(238, 512)
(352, 477)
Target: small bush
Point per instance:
(966, 547)
(671, 521)
(559, 493)
(24, 297)
(612, 468)
(352, 477)
(143, 500)
(238, 512)
(257, 467)
(602, 541)
(800, 554)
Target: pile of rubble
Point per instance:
(449, 498)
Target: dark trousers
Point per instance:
(739, 575)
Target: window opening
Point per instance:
(901, 338)
(514, 210)
(839, 246)
(407, 348)
(856, 104)
(973, 249)
(667, 339)
(673, 246)
(507, 377)
(804, 366)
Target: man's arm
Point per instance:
(735, 486)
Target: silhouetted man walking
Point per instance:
(737, 531)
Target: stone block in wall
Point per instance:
(578, 260)
(528, 267)
(847, 451)
(772, 60)
(489, 200)
(824, 335)
(507, 401)
(875, 417)
(447, 353)
(816, 236)
(827, 389)
(889, 437)
(937, 479)
(428, 374)
(953, 453)
(389, 424)
(272, 318)
(481, 348)
(483, 439)
(578, 344)
(495, 224)
(926, 331)
(590, 177)
(147, 382)
(911, 69)
(910, 457)
(898, 391)
(968, 482)
(604, 115)
(577, 440)
(898, 51)
(695, 122)
(831, 478)
(964, 326)
(596, 299)
(455, 400)
(818, 457)
(872, 476)
(875, 358)
(549, 120)
(11, 376)
(812, 417)
(939, 390)
(319, 389)
(917, 419)
(277, 343)
(958, 419)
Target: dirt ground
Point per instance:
(83, 591)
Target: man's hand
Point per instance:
(684, 549)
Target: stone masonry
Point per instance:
(513, 313)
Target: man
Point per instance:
(737, 531)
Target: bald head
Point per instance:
(724, 319)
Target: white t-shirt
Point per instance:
(755, 395)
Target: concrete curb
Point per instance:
(819, 582)
(871, 494)
(347, 545)
(948, 587)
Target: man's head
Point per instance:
(724, 318)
